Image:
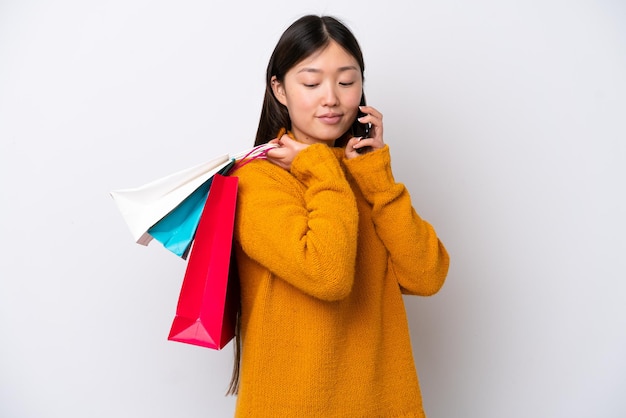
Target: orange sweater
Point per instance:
(325, 252)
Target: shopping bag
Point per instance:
(178, 196)
(144, 206)
(177, 229)
(208, 302)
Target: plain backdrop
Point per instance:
(506, 121)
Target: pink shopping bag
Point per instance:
(208, 302)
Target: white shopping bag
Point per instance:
(144, 206)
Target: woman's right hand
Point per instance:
(286, 152)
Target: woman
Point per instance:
(326, 244)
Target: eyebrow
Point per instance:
(317, 70)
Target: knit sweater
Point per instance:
(325, 252)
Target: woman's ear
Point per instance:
(279, 91)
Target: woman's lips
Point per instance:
(330, 118)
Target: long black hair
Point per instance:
(304, 37)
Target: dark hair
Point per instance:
(300, 40)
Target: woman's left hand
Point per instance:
(375, 140)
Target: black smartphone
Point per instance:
(367, 126)
(366, 131)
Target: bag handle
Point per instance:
(256, 153)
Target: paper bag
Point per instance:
(208, 301)
(177, 229)
(144, 206)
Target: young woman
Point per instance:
(327, 243)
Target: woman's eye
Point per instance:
(311, 85)
(346, 84)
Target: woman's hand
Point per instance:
(286, 152)
(375, 140)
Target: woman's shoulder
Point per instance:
(260, 173)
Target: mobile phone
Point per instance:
(367, 127)
(366, 131)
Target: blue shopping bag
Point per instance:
(177, 229)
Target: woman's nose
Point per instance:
(330, 97)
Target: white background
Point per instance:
(506, 120)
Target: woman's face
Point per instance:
(322, 94)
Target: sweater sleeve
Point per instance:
(417, 257)
(304, 235)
